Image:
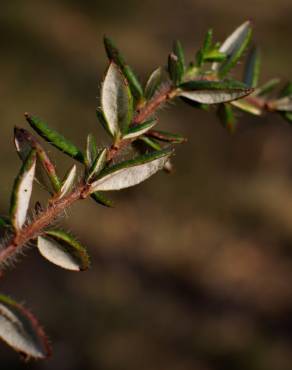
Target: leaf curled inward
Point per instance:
(20, 330)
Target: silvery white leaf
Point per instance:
(154, 82)
(68, 182)
(97, 165)
(213, 96)
(22, 191)
(284, 104)
(116, 100)
(140, 129)
(20, 330)
(232, 42)
(56, 254)
(247, 107)
(129, 176)
(61, 249)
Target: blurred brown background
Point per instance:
(189, 271)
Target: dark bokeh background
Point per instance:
(189, 271)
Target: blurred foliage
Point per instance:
(202, 278)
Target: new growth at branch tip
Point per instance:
(137, 149)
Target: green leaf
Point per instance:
(115, 56)
(54, 138)
(252, 68)
(213, 92)
(167, 136)
(91, 150)
(287, 116)
(22, 190)
(20, 330)
(101, 199)
(63, 250)
(267, 88)
(175, 69)
(24, 143)
(214, 55)
(179, 52)
(246, 107)
(116, 101)
(234, 47)
(97, 165)
(140, 129)
(287, 90)
(4, 221)
(155, 81)
(205, 48)
(130, 173)
(68, 182)
(151, 143)
(227, 118)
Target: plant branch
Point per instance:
(58, 206)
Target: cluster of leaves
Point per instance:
(128, 113)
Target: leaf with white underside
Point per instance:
(132, 172)
(63, 250)
(68, 181)
(20, 330)
(284, 104)
(91, 150)
(234, 44)
(213, 92)
(116, 101)
(155, 81)
(45, 169)
(97, 165)
(247, 107)
(140, 129)
(22, 190)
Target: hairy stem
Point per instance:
(58, 206)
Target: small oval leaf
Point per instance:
(22, 190)
(167, 136)
(140, 129)
(114, 55)
(155, 81)
(132, 172)
(247, 107)
(68, 181)
(97, 165)
(213, 92)
(45, 169)
(54, 138)
(233, 47)
(116, 101)
(283, 104)
(252, 68)
(91, 150)
(63, 250)
(20, 330)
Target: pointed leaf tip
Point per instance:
(22, 190)
(234, 47)
(116, 101)
(68, 181)
(20, 330)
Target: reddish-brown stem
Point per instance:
(57, 206)
(45, 218)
